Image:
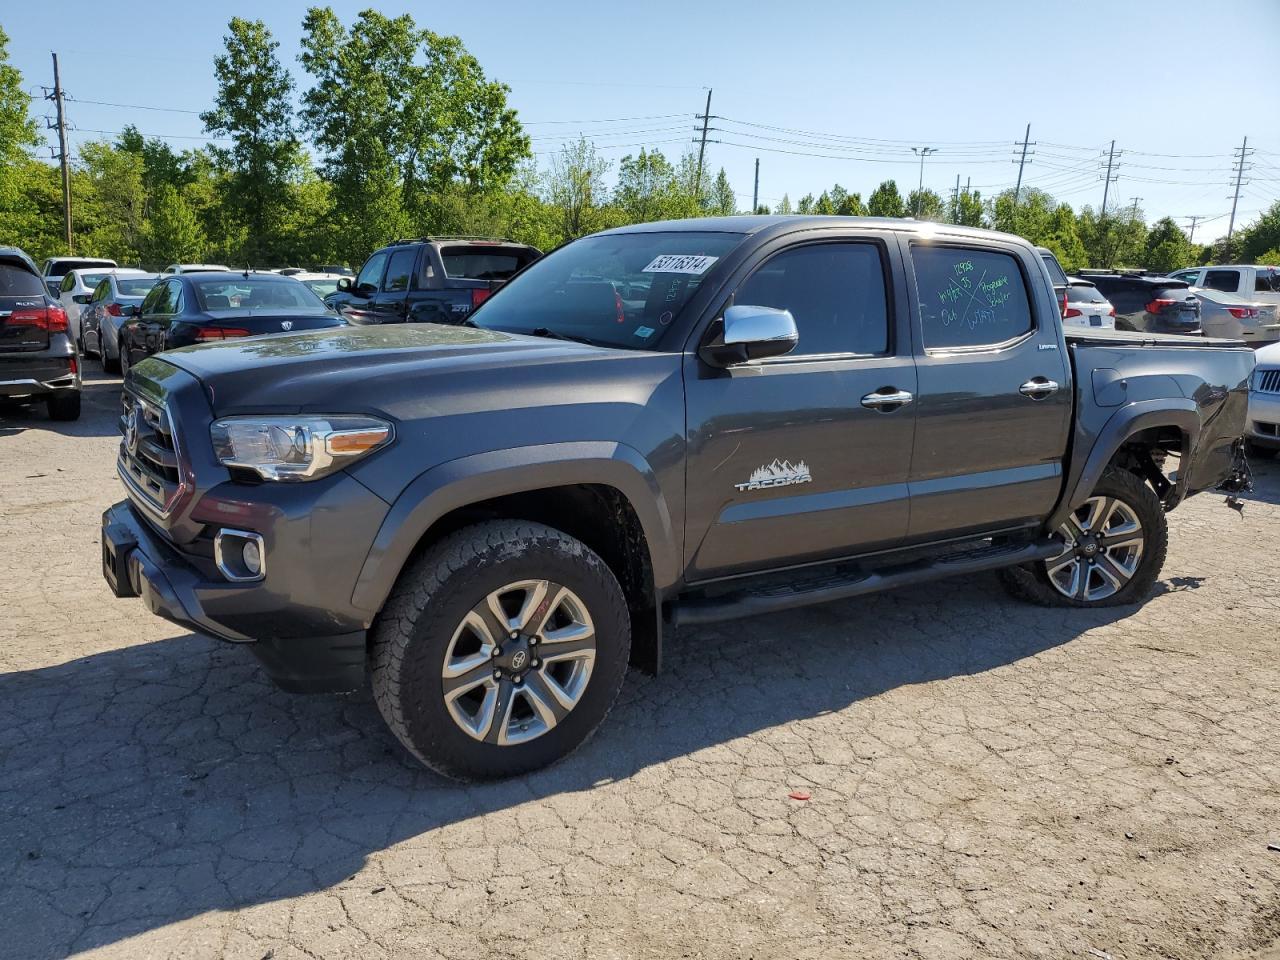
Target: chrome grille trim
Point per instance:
(149, 459)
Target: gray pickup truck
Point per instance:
(664, 424)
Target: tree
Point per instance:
(252, 108)
(925, 205)
(848, 204)
(113, 204)
(1260, 236)
(575, 187)
(173, 234)
(17, 127)
(1064, 240)
(646, 188)
(885, 201)
(722, 202)
(970, 209)
(1270, 257)
(1167, 247)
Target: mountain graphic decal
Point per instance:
(780, 473)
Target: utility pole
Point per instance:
(63, 155)
(955, 201)
(1111, 158)
(921, 152)
(1242, 152)
(755, 191)
(1024, 143)
(702, 147)
(1133, 214)
(1191, 236)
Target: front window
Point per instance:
(619, 290)
(321, 288)
(257, 293)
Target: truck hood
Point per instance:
(355, 368)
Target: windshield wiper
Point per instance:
(557, 335)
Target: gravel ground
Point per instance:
(987, 779)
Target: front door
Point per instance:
(358, 304)
(994, 405)
(794, 458)
(390, 302)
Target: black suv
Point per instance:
(429, 279)
(1149, 304)
(38, 358)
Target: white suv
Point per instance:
(55, 268)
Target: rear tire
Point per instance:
(64, 406)
(1116, 547)
(109, 364)
(500, 650)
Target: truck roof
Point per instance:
(753, 224)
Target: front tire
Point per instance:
(1115, 548)
(500, 650)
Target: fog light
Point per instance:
(252, 556)
(239, 555)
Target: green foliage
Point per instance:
(576, 190)
(784, 206)
(722, 202)
(17, 126)
(969, 209)
(1167, 247)
(252, 108)
(925, 205)
(1270, 257)
(885, 201)
(1261, 236)
(173, 234)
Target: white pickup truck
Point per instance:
(1255, 282)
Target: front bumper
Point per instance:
(1263, 426)
(137, 562)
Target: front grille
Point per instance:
(1268, 381)
(148, 461)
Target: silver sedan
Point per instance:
(1235, 317)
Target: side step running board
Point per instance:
(769, 599)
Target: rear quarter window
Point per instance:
(17, 282)
(1267, 281)
(1055, 271)
(1228, 280)
(969, 297)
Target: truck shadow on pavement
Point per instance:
(146, 785)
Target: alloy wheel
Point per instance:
(519, 662)
(1104, 541)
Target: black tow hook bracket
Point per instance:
(1239, 478)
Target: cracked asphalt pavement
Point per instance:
(986, 779)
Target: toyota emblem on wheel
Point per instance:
(518, 660)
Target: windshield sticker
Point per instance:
(644, 331)
(665, 318)
(680, 263)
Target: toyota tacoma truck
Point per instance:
(664, 424)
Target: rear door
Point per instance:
(993, 411)
(22, 308)
(788, 461)
(1229, 281)
(390, 303)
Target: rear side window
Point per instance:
(134, 286)
(477, 263)
(835, 292)
(1055, 272)
(1268, 281)
(400, 270)
(68, 281)
(1227, 280)
(17, 282)
(969, 297)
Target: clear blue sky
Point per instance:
(1176, 84)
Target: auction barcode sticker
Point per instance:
(680, 263)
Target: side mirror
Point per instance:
(82, 297)
(344, 285)
(752, 333)
(135, 310)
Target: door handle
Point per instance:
(1037, 388)
(887, 399)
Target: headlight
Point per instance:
(296, 448)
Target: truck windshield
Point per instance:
(619, 290)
